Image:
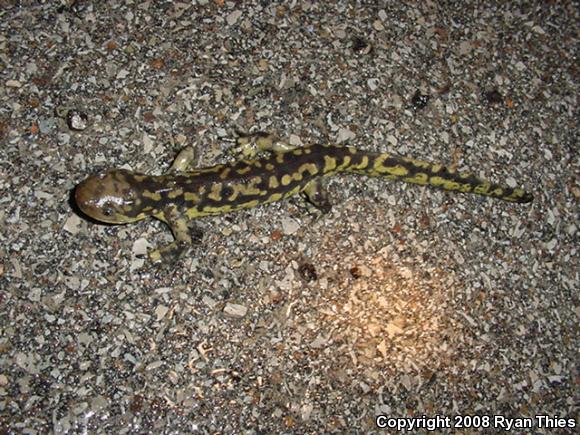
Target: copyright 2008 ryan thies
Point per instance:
(474, 422)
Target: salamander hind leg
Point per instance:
(250, 145)
(178, 223)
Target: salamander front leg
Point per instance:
(182, 233)
(185, 160)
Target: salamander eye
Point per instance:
(107, 211)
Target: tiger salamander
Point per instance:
(185, 193)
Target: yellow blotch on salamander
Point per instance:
(209, 210)
(418, 178)
(215, 193)
(243, 171)
(154, 196)
(286, 179)
(311, 168)
(329, 163)
(234, 195)
(297, 176)
(273, 182)
(275, 197)
(442, 182)
(251, 189)
(250, 204)
(482, 189)
(396, 170)
(191, 197)
(345, 163)
(363, 163)
(419, 163)
(224, 174)
(176, 193)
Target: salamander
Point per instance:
(269, 171)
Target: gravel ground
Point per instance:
(402, 301)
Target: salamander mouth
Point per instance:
(83, 195)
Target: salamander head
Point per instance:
(110, 197)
